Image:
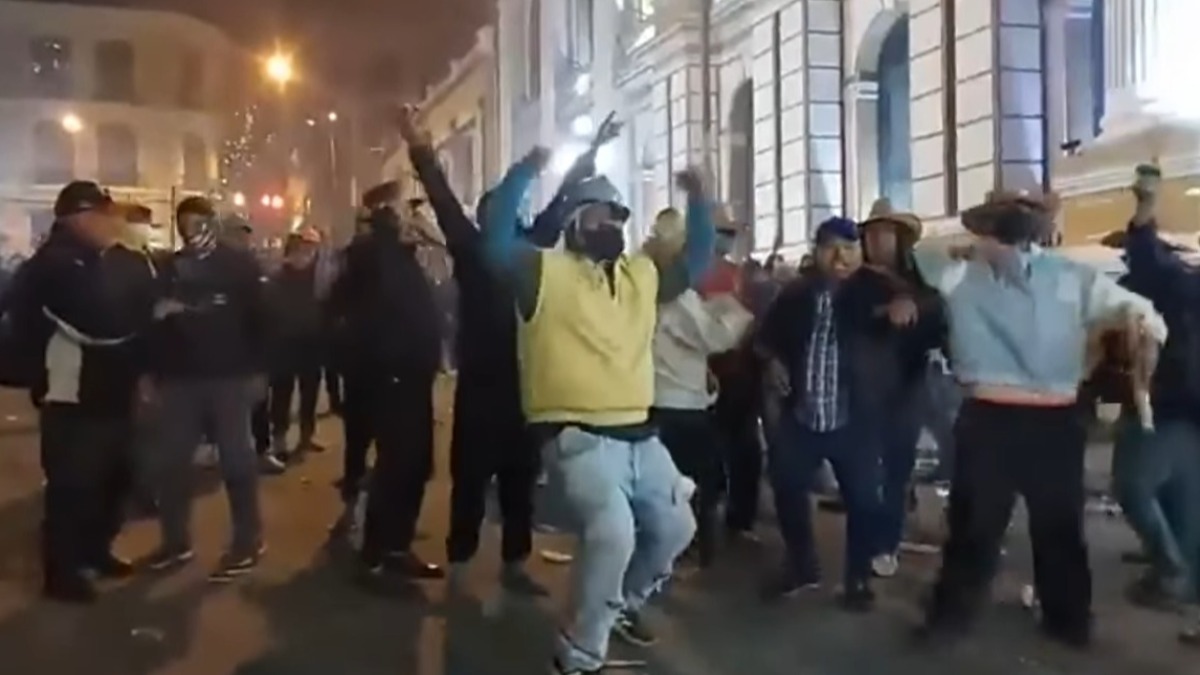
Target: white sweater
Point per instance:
(689, 330)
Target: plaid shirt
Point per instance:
(823, 407)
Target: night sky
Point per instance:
(369, 42)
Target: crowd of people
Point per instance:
(647, 387)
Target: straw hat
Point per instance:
(883, 212)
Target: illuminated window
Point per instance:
(114, 71)
(117, 152)
(580, 32)
(50, 66)
(54, 153)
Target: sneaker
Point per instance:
(631, 628)
(111, 567)
(1190, 636)
(169, 558)
(408, 564)
(858, 598)
(74, 589)
(557, 668)
(1154, 593)
(556, 557)
(270, 465)
(516, 579)
(307, 444)
(787, 586)
(378, 580)
(235, 565)
(885, 565)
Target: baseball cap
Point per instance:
(837, 228)
(81, 196)
(197, 205)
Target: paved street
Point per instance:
(298, 615)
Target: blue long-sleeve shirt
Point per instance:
(520, 262)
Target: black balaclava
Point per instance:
(603, 244)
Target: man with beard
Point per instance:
(587, 319)
(206, 351)
(1019, 318)
(902, 352)
(394, 337)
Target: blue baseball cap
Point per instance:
(837, 227)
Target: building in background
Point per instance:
(821, 106)
(135, 100)
(460, 113)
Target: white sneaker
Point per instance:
(206, 456)
(885, 565)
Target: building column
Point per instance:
(1143, 41)
(862, 157)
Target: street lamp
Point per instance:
(333, 116)
(279, 69)
(71, 123)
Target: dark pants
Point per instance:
(188, 408)
(260, 427)
(736, 421)
(358, 427)
(403, 418)
(797, 453)
(333, 388)
(305, 375)
(490, 439)
(691, 438)
(1156, 476)
(1004, 450)
(87, 463)
(899, 430)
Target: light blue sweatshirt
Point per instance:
(1032, 334)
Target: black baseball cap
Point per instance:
(81, 196)
(197, 205)
(381, 194)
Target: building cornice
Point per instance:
(1108, 162)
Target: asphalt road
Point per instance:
(298, 615)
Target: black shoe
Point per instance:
(409, 565)
(1072, 636)
(1151, 592)
(112, 567)
(936, 635)
(270, 465)
(786, 586)
(632, 628)
(858, 598)
(236, 565)
(378, 580)
(169, 558)
(307, 444)
(516, 579)
(74, 589)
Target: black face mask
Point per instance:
(605, 243)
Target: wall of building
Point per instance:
(183, 82)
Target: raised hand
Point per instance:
(609, 129)
(411, 130)
(690, 180)
(538, 157)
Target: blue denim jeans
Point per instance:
(795, 457)
(1156, 477)
(629, 506)
(899, 430)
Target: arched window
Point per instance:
(195, 163)
(114, 71)
(895, 142)
(54, 154)
(117, 152)
(533, 49)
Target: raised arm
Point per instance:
(548, 225)
(511, 257)
(460, 231)
(687, 271)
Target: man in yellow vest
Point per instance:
(587, 384)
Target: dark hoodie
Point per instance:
(384, 303)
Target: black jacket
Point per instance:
(384, 307)
(221, 333)
(81, 315)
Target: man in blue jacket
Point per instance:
(1160, 489)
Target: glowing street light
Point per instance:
(71, 123)
(265, 201)
(333, 116)
(276, 202)
(239, 199)
(279, 69)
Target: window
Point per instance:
(50, 67)
(117, 152)
(195, 163)
(54, 154)
(114, 71)
(191, 80)
(533, 48)
(1084, 45)
(579, 29)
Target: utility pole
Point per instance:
(706, 88)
